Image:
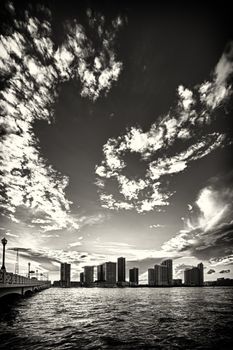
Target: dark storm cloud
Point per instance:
(44, 260)
(215, 243)
(32, 68)
(210, 271)
(225, 271)
(208, 233)
(210, 245)
(50, 258)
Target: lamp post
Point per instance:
(4, 242)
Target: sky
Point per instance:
(115, 135)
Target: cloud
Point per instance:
(190, 207)
(212, 206)
(169, 147)
(109, 202)
(210, 271)
(41, 259)
(207, 235)
(49, 236)
(32, 68)
(179, 269)
(225, 260)
(50, 259)
(143, 264)
(186, 98)
(156, 226)
(11, 234)
(215, 92)
(75, 244)
(225, 271)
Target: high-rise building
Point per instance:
(88, 275)
(65, 275)
(201, 274)
(109, 272)
(161, 275)
(81, 277)
(194, 276)
(168, 264)
(100, 273)
(151, 277)
(133, 276)
(157, 275)
(121, 269)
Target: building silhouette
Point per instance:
(168, 264)
(81, 277)
(109, 272)
(160, 275)
(151, 277)
(133, 276)
(121, 270)
(194, 276)
(201, 274)
(65, 275)
(100, 273)
(177, 282)
(88, 275)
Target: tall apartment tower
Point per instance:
(201, 274)
(121, 269)
(133, 276)
(194, 276)
(157, 275)
(151, 277)
(109, 272)
(81, 277)
(88, 275)
(100, 273)
(168, 264)
(161, 275)
(65, 275)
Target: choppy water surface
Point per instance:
(142, 318)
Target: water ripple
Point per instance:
(142, 318)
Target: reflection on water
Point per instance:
(143, 318)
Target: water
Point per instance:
(142, 318)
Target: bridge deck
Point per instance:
(11, 280)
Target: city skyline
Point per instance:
(118, 275)
(116, 137)
(113, 274)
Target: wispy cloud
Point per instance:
(207, 234)
(75, 244)
(224, 260)
(32, 68)
(156, 226)
(213, 93)
(187, 127)
(180, 268)
(11, 234)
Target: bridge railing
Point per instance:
(11, 278)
